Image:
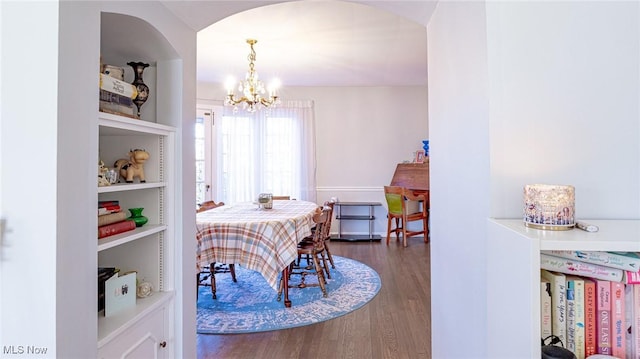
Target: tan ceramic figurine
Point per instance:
(133, 167)
(102, 175)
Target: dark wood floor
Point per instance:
(395, 324)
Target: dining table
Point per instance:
(256, 238)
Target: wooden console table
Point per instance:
(356, 217)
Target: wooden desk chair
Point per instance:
(313, 249)
(397, 206)
(214, 268)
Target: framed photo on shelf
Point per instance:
(419, 156)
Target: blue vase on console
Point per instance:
(425, 145)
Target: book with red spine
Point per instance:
(603, 323)
(108, 203)
(114, 209)
(590, 315)
(115, 228)
(110, 206)
(618, 326)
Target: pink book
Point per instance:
(590, 318)
(618, 322)
(632, 308)
(603, 322)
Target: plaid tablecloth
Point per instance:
(263, 240)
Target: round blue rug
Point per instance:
(250, 305)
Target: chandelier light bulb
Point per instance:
(229, 84)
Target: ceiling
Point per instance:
(311, 43)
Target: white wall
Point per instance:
(361, 134)
(28, 169)
(565, 103)
(562, 84)
(49, 152)
(459, 127)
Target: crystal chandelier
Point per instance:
(251, 89)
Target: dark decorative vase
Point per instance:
(136, 216)
(143, 89)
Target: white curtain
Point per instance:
(269, 151)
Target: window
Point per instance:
(269, 151)
(203, 155)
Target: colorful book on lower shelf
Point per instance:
(603, 322)
(571, 316)
(116, 228)
(590, 318)
(618, 321)
(575, 286)
(571, 266)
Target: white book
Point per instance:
(575, 267)
(558, 304)
(629, 261)
(545, 309)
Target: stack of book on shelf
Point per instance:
(112, 220)
(116, 96)
(590, 302)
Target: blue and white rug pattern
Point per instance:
(250, 305)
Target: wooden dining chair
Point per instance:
(327, 237)
(214, 268)
(313, 249)
(281, 198)
(396, 198)
(208, 205)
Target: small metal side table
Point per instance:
(356, 217)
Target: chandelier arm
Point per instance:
(271, 101)
(231, 100)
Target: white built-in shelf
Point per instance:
(129, 236)
(111, 327)
(111, 124)
(613, 235)
(513, 275)
(121, 187)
